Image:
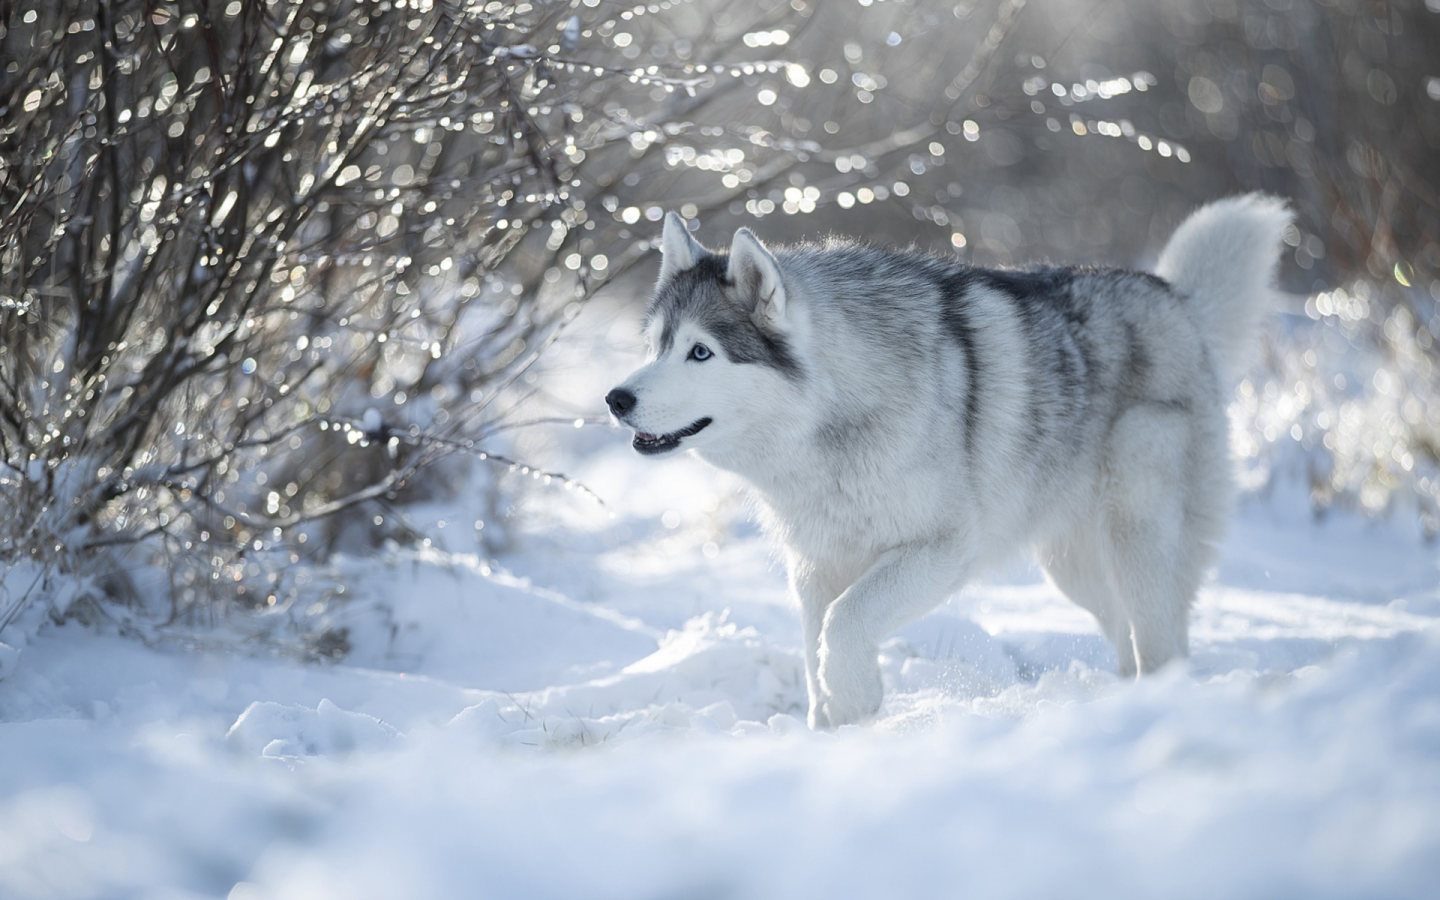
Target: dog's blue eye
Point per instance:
(699, 353)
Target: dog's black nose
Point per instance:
(620, 401)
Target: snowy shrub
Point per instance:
(1347, 408)
(264, 266)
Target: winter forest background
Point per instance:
(282, 280)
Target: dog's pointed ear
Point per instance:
(757, 275)
(678, 250)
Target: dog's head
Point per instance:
(719, 336)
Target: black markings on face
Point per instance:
(704, 296)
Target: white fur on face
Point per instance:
(673, 391)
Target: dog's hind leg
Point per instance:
(904, 583)
(1155, 557)
(1079, 566)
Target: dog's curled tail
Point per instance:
(1223, 259)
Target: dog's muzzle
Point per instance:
(622, 401)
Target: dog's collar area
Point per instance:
(652, 444)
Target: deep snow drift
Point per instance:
(617, 711)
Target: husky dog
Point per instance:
(906, 421)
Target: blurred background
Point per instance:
(271, 272)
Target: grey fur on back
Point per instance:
(1076, 346)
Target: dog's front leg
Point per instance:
(814, 594)
(904, 583)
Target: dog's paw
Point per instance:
(853, 693)
(819, 719)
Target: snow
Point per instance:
(616, 709)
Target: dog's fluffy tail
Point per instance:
(1223, 259)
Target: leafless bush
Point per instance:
(266, 262)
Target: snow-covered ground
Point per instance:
(617, 710)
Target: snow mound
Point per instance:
(710, 674)
(948, 652)
(290, 732)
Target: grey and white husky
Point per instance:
(906, 421)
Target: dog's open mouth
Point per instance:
(651, 444)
